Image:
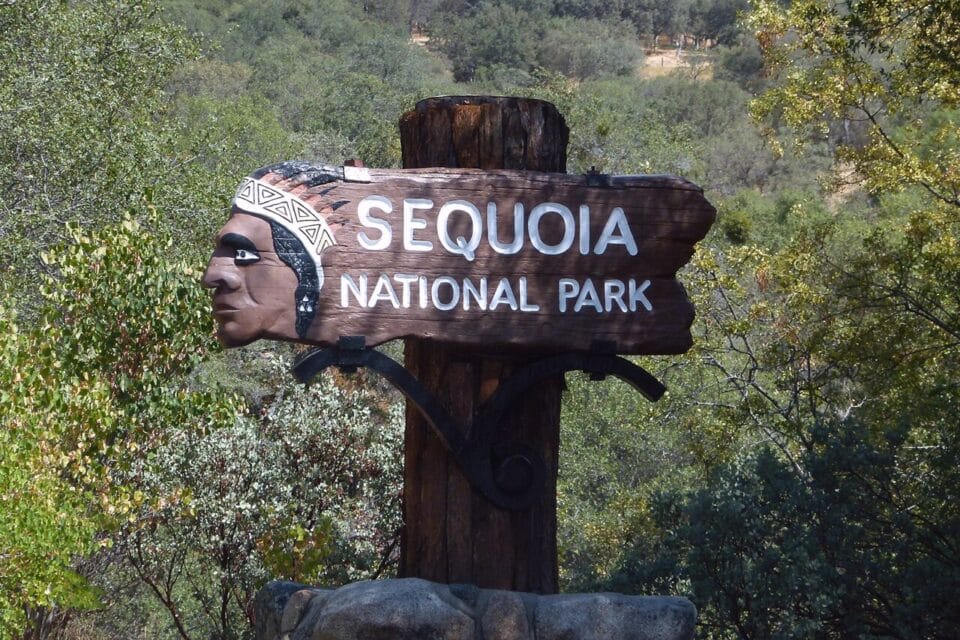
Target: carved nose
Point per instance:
(220, 273)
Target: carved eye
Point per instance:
(244, 257)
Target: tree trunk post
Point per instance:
(451, 533)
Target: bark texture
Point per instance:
(452, 534)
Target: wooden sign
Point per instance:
(475, 258)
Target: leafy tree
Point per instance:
(826, 337)
(42, 519)
(492, 34)
(107, 438)
(741, 63)
(369, 127)
(92, 129)
(618, 450)
(891, 65)
(710, 107)
(613, 131)
(421, 11)
(88, 386)
(80, 94)
(346, 78)
(588, 9)
(878, 62)
(307, 491)
(395, 12)
(588, 48)
(716, 20)
(657, 18)
(220, 139)
(831, 529)
(862, 545)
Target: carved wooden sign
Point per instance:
(491, 259)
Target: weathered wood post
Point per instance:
(452, 534)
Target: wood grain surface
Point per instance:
(664, 215)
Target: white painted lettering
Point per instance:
(533, 228)
(492, 237)
(460, 246)
(584, 230)
(479, 295)
(411, 224)
(383, 291)
(636, 294)
(616, 222)
(423, 292)
(524, 304)
(349, 285)
(454, 293)
(588, 297)
(405, 280)
(369, 221)
(503, 295)
(613, 291)
(569, 288)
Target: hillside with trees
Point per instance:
(799, 479)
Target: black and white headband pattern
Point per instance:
(265, 200)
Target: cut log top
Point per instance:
(533, 179)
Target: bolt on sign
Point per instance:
(476, 258)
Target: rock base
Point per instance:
(414, 609)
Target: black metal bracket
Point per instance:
(509, 474)
(596, 179)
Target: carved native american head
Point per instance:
(266, 271)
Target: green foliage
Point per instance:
(711, 108)
(220, 137)
(80, 92)
(893, 65)
(741, 63)
(659, 17)
(836, 348)
(728, 154)
(735, 224)
(588, 48)
(492, 34)
(90, 130)
(768, 221)
(334, 27)
(826, 362)
(369, 125)
(92, 382)
(331, 75)
(717, 19)
(618, 450)
(703, 19)
(308, 490)
(395, 12)
(342, 443)
(42, 520)
(158, 325)
(588, 8)
(102, 429)
(859, 543)
(612, 129)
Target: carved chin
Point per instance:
(233, 333)
(240, 327)
(230, 337)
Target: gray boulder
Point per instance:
(414, 609)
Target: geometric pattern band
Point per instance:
(259, 198)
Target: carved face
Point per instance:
(253, 289)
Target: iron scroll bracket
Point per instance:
(509, 474)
